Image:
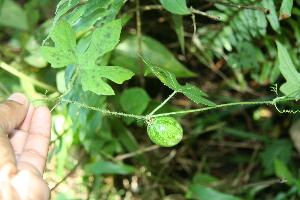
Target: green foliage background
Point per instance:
(128, 56)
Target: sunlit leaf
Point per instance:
(103, 40)
(64, 52)
(92, 78)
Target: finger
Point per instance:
(37, 189)
(19, 137)
(12, 113)
(27, 121)
(35, 151)
(6, 173)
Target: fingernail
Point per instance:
(19, 98)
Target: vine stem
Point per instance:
(219, 106)
(71, 83)
(59, 99)
(146, 117)
(163, 103)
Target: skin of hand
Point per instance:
(24, 143)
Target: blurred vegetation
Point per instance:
(226, 48)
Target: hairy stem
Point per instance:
(273, 102)
(59, 99)
(163, 103)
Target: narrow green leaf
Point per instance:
(285, 9)
(106, 167)
(64, 52)
(282, 171)
(176, 6)
(272, 16)
(191, 91)
(154, 53)
(177, 19)
(92, 78)
(206, 193)
(288, 70)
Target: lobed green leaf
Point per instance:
(292, 86)
(64, 52)
(191, 91)
(92, 78)
(103, 40)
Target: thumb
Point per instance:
(12, 113)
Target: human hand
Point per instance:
(24, 142)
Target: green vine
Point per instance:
(151, 115)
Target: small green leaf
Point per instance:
(282, 171)
(175, 6)
(285, 9)
(292, 86)
(134, 101)
(106, 167)
(206, 193)
(64, 52)
(155, 53)
(92, 78)
(191, 91)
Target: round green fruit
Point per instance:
(165, 131)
